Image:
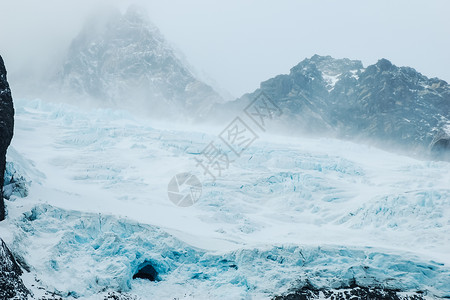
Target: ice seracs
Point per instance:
(287, 211)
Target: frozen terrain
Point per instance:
(287, 210)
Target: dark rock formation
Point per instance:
(6, 128)
(11, 285)
(120, 296)
(383, 104)
(308, 292)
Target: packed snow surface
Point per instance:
(288, 209)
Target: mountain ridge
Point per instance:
(122, 60)
(390, 106)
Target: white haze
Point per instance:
(241, 43)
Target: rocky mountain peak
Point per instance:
(384, 65)
(137, 15)
(331, 66)
(390, 106)
(327, 65)
(125, 61)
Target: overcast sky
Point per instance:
(241, 43)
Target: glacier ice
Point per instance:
(88, 252)
(287, 210)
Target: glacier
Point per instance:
(289, 210)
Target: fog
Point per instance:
(177, 163)
(239, 44)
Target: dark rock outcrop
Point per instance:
(11, 285)
(389, 106)
(309, 292)
(120, 296)
(6, 128)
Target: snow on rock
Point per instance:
(331, 80)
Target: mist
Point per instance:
(237, 45)
(224, 150)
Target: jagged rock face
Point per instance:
(6, 128)
(394, 104)
(350, 293)
(385, 104)
(304, 93)
(124, 60)
(11, 285)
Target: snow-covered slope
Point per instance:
(287, 210)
